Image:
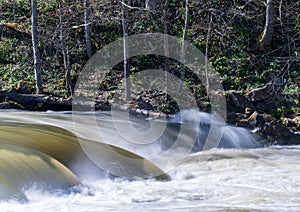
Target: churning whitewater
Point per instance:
(55, 162)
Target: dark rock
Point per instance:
(145, 105)
(278, 134)
(2, 97)
(102, 106)
(262, 106)
(232, 117)
(236, 102)
(244, 123)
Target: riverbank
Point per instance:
(242, 111)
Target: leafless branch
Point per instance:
(134, 8)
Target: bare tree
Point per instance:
(65, 52)
(184, 34)
(166, 46)
(166, 41)
(125, 53)
(206, 54)
(267, 35)
(87, 27)
(36, 57)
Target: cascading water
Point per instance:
(226, 136)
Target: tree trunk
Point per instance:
(206, 54)
(65, 53)
(126, 61)
(87, 27)
(36, 57)
(166, 46)
(184, 38)
(166, 41)
(150, 4)
(268, 32)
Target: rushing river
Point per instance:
(50, 162)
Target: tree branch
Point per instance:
(134, 8)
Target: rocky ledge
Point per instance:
(251, 110)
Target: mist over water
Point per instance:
(237, 173)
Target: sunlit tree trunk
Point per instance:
(184, 34)
(267, 35)
(87, 27)
(36, 57)
(65, 53)
(166, 46)
(126, 61)
(166, 41)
